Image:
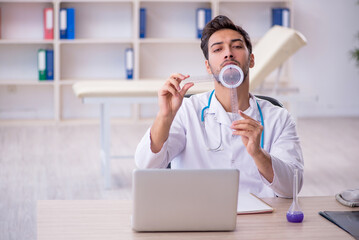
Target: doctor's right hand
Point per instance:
(170, 98)
(171, 95)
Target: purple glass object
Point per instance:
(295, 217)
(295, 214)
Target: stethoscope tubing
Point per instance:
(259, 109)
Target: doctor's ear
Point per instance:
(251, 60)
(208, 67)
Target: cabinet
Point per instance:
(104, 29)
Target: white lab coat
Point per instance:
(186, 145)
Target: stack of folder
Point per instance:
(45, 63)
(67, 23)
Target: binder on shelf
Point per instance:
(41, 64)
(49, 64)
(203, 16)
(70, 23)
(200, 21)
(129, 63)
(142, 22)
(208, 15)
(48, 23)
(63, 23)
(281, 17)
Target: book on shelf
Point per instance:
(49, 64)
(45, 64)
(67, 23)
(41, 64)
(48, 23)
(142, 22)
(0, 23)
(129, 63)
(203, 16)
(281, 17)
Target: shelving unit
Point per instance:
(104, 29)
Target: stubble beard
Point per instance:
(245, 70)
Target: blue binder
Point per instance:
(49, 64)
(281, 17)
(208, 15)
(70, 23)
(200, 21)
(203, 16)
(63, 23)
(129, 63)
(142, 22)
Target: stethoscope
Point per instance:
(220, 131)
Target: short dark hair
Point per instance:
(218, 23)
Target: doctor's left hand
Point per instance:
(250, 130)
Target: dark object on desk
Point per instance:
(346, 220)
(349, 198)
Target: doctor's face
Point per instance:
(225, 47)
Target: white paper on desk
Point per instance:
(249, 203)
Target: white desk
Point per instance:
(105, 93)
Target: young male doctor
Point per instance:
(197, 132)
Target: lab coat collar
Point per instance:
(223, 117)
(253, 110)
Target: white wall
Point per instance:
(324, 67)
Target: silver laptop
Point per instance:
(185, 200)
